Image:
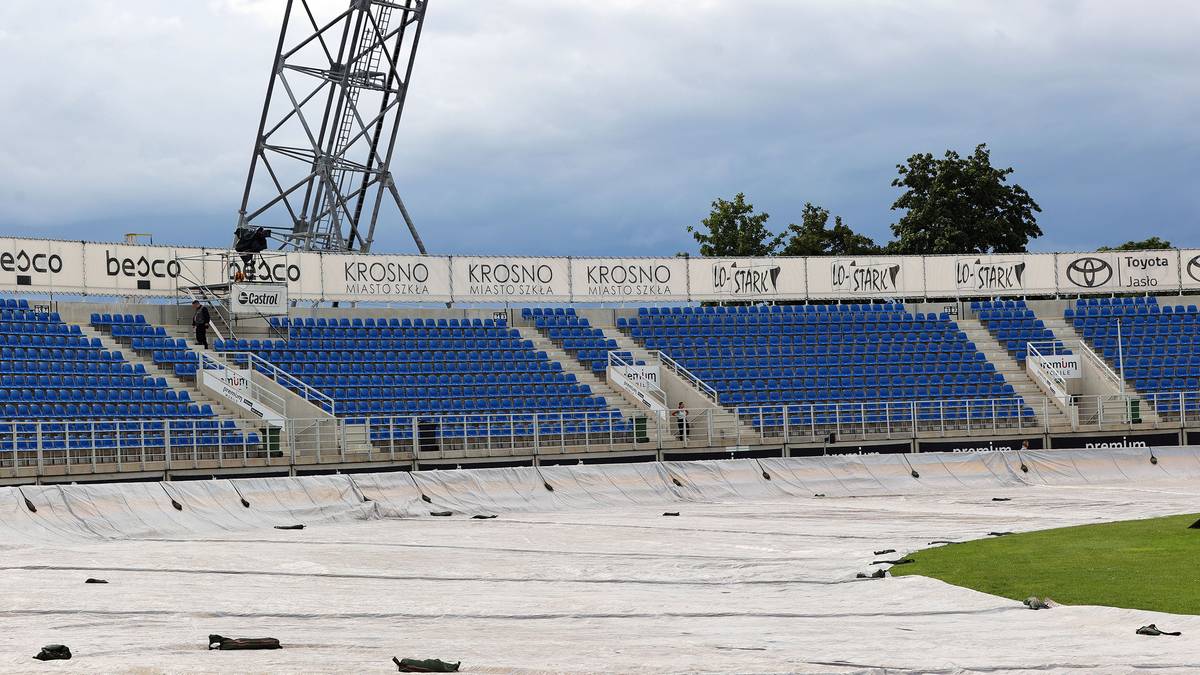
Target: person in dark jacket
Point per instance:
(200, 319)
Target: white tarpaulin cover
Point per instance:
(755, 575)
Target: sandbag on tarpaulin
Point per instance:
(472, 491)
(394, 494)
(968, 470)
(305, 499)
(588, 485)
(1086, 466)
(725, 480)
(845, 475)
(1181, 463)
(803, 476)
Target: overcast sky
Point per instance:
(597, 128)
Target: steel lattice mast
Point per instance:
(327, 136)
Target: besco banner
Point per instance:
(623, 279)
(514, 278)
(392, 278)
(1147, 271)
(40, 265)
(258, 299)
(747, 279)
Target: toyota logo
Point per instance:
(1193, 268)
(1089, 272)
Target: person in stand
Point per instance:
(680, 421)
(200, 319)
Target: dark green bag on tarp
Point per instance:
(425, 665)
(220, 642)
(54, 653)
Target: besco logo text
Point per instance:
(140, 267)
(23, 262)
(268, 271)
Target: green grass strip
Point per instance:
(1149, 564)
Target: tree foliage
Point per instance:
(1148, 244)
(813, 237)
(961, 205)
(733, 229)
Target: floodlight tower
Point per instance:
(321, 168)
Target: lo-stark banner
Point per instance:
(41, 266)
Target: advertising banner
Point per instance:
(1189, 272)
(644, 383)
(234, 386)
(386, 278)
(256, 299)
(733, 279)
(1065, 366)
(979, 444)
(990, 275)
(105, 269)
(1131, 440)
(510, 279)
(1148, 271)
(866, 277)
(629, 279)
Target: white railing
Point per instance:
(688, 376)
(284, 378)
(1102, 366)
(107, 446)
(209, 362)
(639, 381)
(1053, 381)
(130, 444)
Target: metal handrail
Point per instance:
(688, 376)
(1108, 372)
(286, 379)
(1054, 381)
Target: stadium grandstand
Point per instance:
(302, 441)
(106, 389)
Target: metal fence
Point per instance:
(49, 446)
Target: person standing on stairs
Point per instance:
(200, 319)
(680, 415)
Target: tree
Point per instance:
(957, 205)
(733, 229)
(812, 237)
(1148, 244)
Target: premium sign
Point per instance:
(643, 383)
(234, 385)
(258, 299)
(980, 445)
(1116, 441)
(1065, 366)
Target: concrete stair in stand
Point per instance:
(167, 373)
(1014, 373)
